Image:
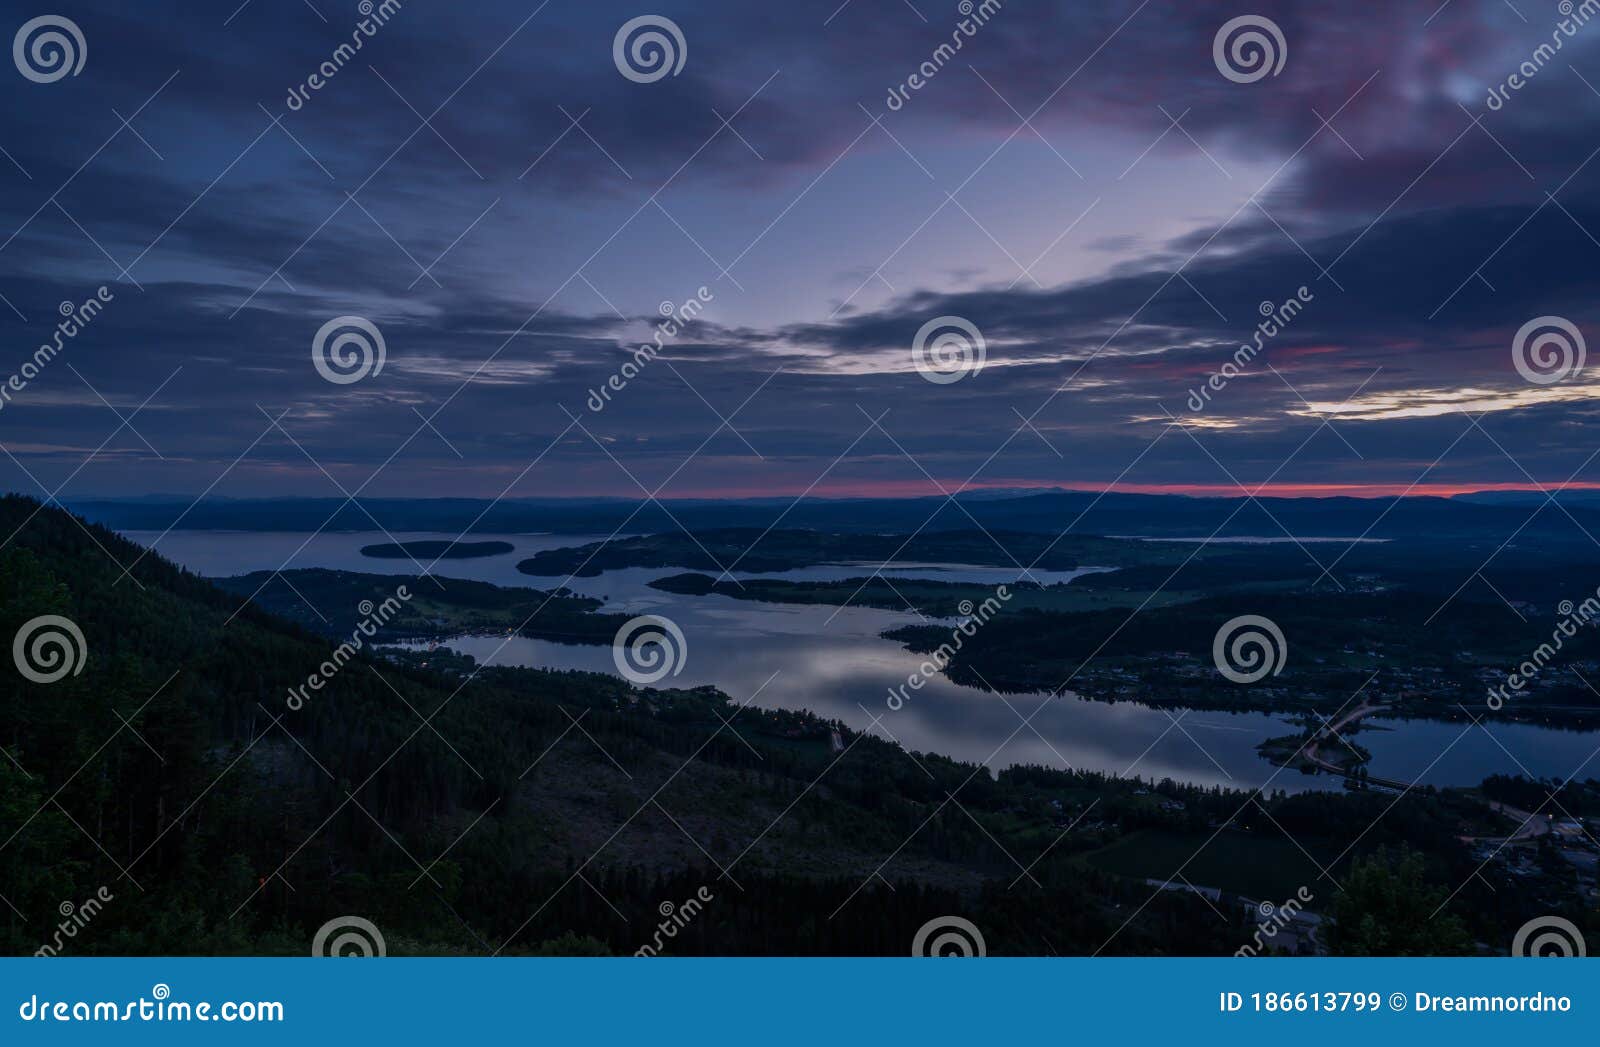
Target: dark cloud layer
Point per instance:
(513, 250)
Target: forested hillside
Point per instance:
(519, 811)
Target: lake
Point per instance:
(834, 663)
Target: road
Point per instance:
(1529, 826)
(1312, 751)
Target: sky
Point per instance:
(1098, 201)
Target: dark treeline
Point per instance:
(1335, 640)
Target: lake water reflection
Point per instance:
(834, 663)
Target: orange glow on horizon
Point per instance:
(925, 488)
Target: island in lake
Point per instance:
(436, 550)
(726, 549)
(336, 603)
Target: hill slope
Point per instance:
(521, 811)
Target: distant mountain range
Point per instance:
(1490, 517)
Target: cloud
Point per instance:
(548, 194)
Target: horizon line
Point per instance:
(912, 490)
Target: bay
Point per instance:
(833, 662)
